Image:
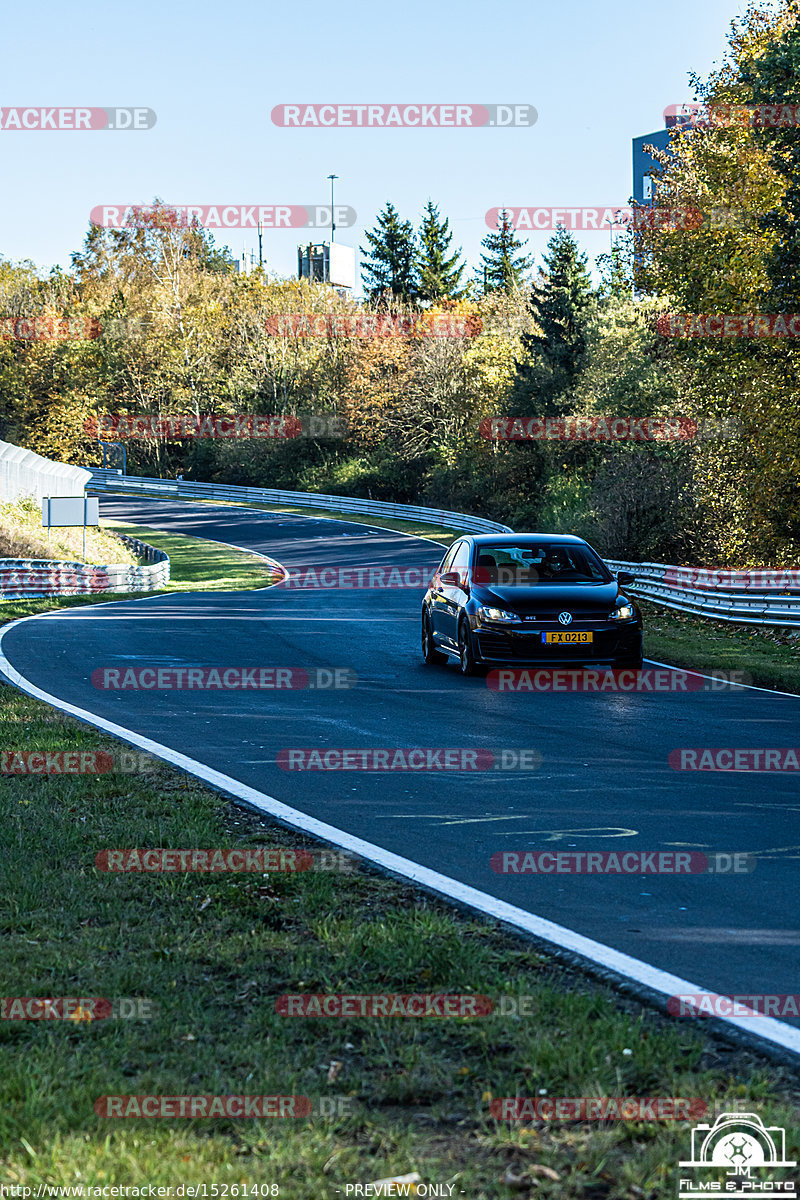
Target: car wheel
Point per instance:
(466, 656)
(432, 656)
(628, 664)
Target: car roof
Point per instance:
(525, 539)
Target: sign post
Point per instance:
(67, 511)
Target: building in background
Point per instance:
(644, 165)
(247, 262)
(327, 262)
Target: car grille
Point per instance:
(526, 646)
(578, 618)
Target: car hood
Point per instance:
(549, 597)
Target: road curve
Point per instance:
(604, 783)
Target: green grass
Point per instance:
(22, 536)
(211, 954)
(197, 564)
(768, 656)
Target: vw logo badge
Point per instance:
(565, 618)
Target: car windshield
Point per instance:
(524, 566)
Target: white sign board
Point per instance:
(61, 511)
(342, 270)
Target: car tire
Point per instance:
(466, 655)
(432, 656)
(628, 664)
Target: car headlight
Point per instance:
(496, 614)
(623, 612)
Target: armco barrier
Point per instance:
(29, 579)
(111, 481)
(755, 597)
(23, 473)
(745, 597)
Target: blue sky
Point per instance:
(598, 74)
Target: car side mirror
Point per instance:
(450, 579)
(624, 577)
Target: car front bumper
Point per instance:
(525, 646)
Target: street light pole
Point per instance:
(333, 223)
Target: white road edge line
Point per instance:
(770, 1030)
(775, 1032)
(162, 594)
(752, 687)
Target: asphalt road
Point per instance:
(604, 783)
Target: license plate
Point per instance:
(567, 639)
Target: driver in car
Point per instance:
(554, 564)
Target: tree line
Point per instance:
(424, 267)
(183, 333)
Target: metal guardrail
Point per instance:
(31, 578)
(108, 481)
(24, 473)
(757, 597)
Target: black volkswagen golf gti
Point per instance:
(529, 599)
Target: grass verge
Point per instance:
(196, 565)
(768, 656)
(210, 953)
(22, 536)
(200, 565)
